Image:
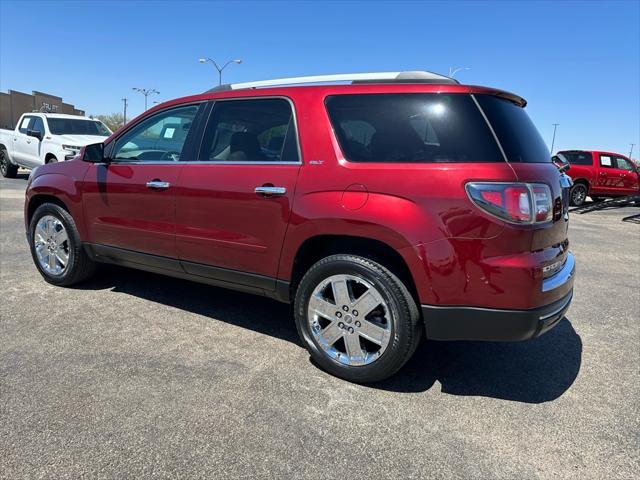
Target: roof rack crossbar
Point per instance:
(378, 77)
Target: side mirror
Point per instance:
(94, 153)
(35, 133)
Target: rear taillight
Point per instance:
(523, 203)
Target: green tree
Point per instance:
(114, 121)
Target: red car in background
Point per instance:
(599, 174)
(397, 205)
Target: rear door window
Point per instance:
(250, 130)
(411, 128)
(606, 161)
(516, 132)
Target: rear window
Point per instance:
(516, 132)
(578, 158)
(411, 128)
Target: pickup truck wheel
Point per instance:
(356, 318)
(578, 194)
(7, 169)
(56, 248)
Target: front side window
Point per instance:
(25, 124)
(624, 164)
(72, 126)
(255, 130)
(160, 137)
(516, 132)
(411, 128)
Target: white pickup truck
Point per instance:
(41, 138)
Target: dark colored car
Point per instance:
(382, 209)
(599, 174)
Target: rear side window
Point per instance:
(516, 132)
(579, 158)
(411, 128)
(254, 130)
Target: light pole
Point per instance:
(631, 151)
(220, 69)
(124, 114)
(146, 92)
(553, 140)
(453, 71)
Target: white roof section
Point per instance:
(62, 115)
(374, 77)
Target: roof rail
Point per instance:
(379, 77)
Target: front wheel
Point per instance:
(56, 248)
(578, 194)
(7, 169)
(356, 318)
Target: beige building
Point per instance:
(14, 104)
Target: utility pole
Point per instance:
(553, 141)
(631, 151)
(146, 92)
(124, 114)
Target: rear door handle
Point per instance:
(270, 191)
(158, 185)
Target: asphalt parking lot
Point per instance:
(134, 375)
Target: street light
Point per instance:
(124, 114)
(146, 92)
(453, 71)
(220, 69)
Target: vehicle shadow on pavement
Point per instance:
(534, 371)
(260, 314)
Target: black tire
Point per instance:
(7, 169)
(406, 325)
(79, 266)
(52, 159)
(578, 194)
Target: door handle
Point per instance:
(158, 185)
(603, 174)
(270, 191)
(623, 174)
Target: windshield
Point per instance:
(518, 135)
(70, 126)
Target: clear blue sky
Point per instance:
(577, 63)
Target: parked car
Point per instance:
(395, 205)
(599, 174)
(41, 138)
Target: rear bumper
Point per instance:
(469, 323)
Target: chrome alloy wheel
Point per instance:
(349, 320)
(579, 194)
(51, 243)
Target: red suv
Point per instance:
(389, 205)
(599, 174)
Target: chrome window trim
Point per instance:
(294, 113)
(495, 137)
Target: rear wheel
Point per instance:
(356, 318)
(7, 169)
(56, 248)
(578, 194)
